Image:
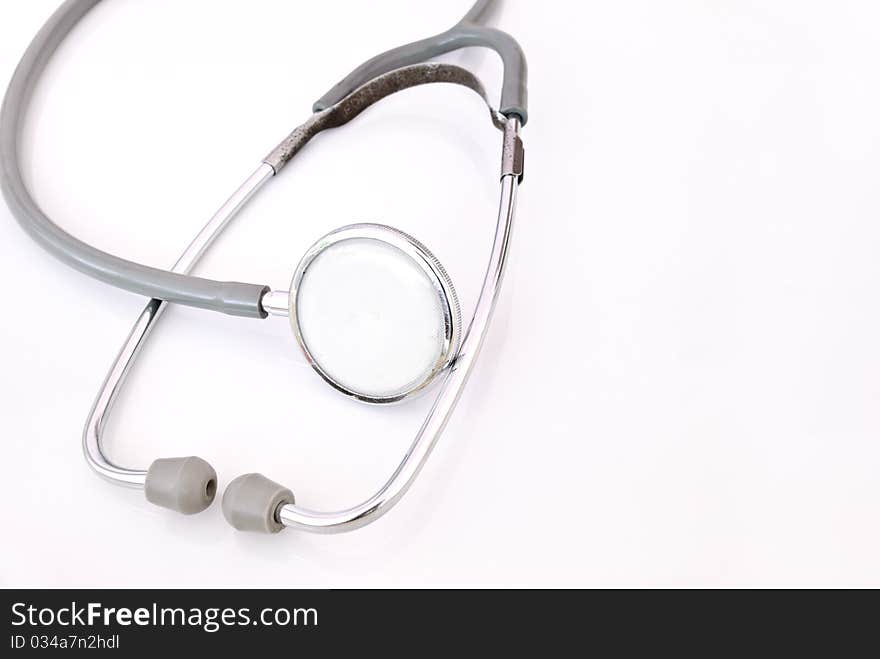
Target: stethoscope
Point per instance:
(374, 312)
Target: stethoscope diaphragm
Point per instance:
(374, 312)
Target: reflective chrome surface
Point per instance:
(276, 303)
(380, 503)
(92, 434)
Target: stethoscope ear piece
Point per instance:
(187, 485)
(252, 502)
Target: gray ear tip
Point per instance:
(187, 485)
(251, 503)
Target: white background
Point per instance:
(681, 386)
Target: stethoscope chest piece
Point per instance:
(374, 312)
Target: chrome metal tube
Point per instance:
(380, 503)
(276, 303)
(92, 439)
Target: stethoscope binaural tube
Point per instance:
(253, 502)
(189, 484)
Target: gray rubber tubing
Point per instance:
(467, 33)
(233, 298)
(187, 485)
(370, 82)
